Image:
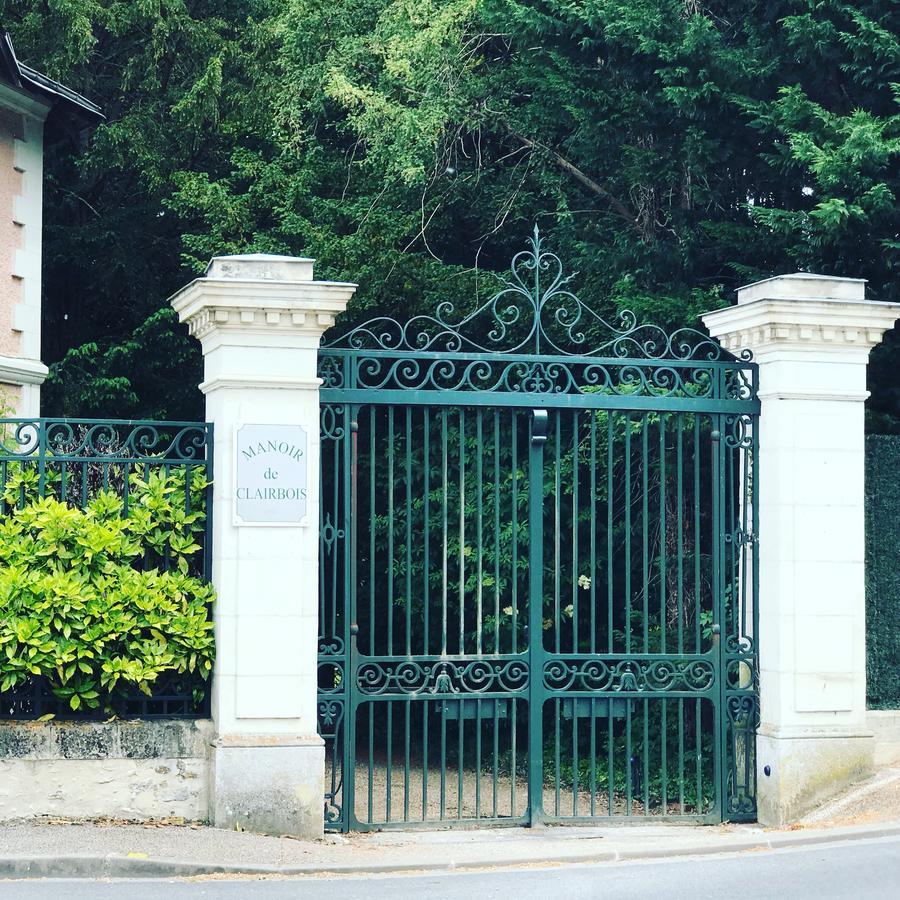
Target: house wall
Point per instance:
(10, 243)
(21, 197)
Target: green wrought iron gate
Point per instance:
(537, 567)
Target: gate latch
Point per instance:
(539, 426)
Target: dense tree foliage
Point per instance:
(670, 150)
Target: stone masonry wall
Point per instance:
(124, 769)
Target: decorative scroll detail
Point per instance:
(741, 721)
(442, 676)
(740, 645)
(330, 533)
(331, 646)
(527, 376)
(739, 384)
(740, 538)
(331, 372)
(743, 710)
(643, 674)
(106, 441)
(331, 421)
(330, 713)
(534, 311)
(739, 432)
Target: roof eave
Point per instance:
(33, 82)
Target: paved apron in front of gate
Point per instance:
(537, 567)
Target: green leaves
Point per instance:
(410, 145)
(80, 607)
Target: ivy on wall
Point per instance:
(882, 571)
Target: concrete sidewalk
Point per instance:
(57, 848)
(38, 849)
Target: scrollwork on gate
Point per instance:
(441, 676)
(537, 376)
(629, 675)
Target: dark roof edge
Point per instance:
(33, 82)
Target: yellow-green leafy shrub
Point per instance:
(101, 600)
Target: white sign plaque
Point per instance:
(271, 485)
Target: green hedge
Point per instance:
(883, 571)
(100, 600)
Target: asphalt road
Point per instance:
(862, 870)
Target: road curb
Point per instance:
(122, 866)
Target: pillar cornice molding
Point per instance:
(804, 325)
(259, 306)
(803, 316)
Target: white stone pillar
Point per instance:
(811, 335)
(259, 319)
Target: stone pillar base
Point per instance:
(807, 767)
(271, 784)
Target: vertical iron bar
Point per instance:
(593, 569)
(425, 707)
(478, 722)
(535, 614)
(349, 471)
(496, 537)
(610, 489)
(662, 533)
(406, 727)
(462, 531)
(479, 528)
(718, 490)
(557, 532)
(445, 579)
(628, 555)
(373, 622)
(389, 562)
(426, 535)
(409, 558)
(575, 511)
(389, 760)
(645, 529)
(460, 731)
(698, 540)
(514, 550)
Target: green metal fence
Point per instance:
(72, 460)
(538, 580)
(883, 571)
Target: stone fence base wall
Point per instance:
(124, 769)
(885, 724)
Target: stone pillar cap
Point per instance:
(805, 286)
(802, 312)
(260, 293)
(261, 267)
